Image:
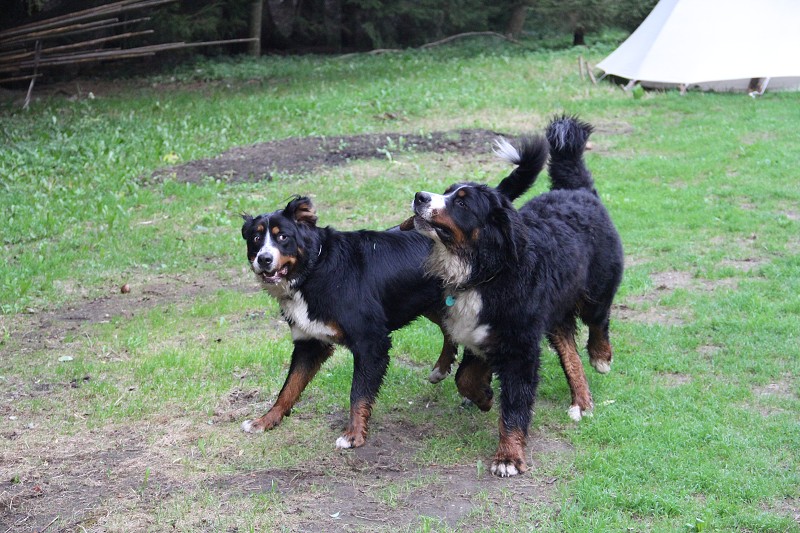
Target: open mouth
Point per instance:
(275, 276)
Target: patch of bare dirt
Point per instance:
(293, 156)
(96, 478)
(76, 482)
(380, 487)
(674, 379)
(780, 390)
(772, 398)
(787, 506)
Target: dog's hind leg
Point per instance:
(562, 339)
(446, 359)
(598, 346)
(370, 361)
(447, 356)
(307, 358)
(474, 381)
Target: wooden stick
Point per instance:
(103, 55)
(469, 34)
(82, 44)
(591, 74)
(33, 79)
(55, 32)
(70, 18)
(102, 27)
(19, 78)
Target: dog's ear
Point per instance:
(302, 211)
(247, 221)
(500, 218)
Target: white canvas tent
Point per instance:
(713, 44)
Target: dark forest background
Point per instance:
(331, 26)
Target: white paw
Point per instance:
(343, 443)
(504, 470)
(247, 427)
(436, 375)
(575, 413)
(604, 367)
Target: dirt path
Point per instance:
(295, 156)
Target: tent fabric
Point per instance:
(714, 44)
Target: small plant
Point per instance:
(480, 468)
(145, 481)
(698, 527)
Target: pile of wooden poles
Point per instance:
(89, 35)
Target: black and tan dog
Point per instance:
(351, 288)
(512, 278)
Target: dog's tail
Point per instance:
(530, 158)
(567, 137)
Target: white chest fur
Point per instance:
(443, 264)
(295, 311)
(462, 320)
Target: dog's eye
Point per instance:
(257, 239)
(282, 237)
(461, 203)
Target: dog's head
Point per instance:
(473, 230)
(278, 243)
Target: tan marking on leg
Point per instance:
(295, 384)
(564, 343)
(445, 362)
(600, 353)
(509, 460)
(441, 369)
(356, 434)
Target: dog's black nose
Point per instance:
(264, 260)
(422, 198)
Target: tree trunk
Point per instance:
(333, 24)
(518, 14)
(578, 36)
(256, 12)
(578, 31)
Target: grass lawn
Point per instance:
(121, 411)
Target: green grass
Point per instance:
(697, 420)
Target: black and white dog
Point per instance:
(514, 277)
(351, 288)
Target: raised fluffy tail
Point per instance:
(530, 158)
(567, 137)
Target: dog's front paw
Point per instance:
(251, 426)
(259, 425)
(508, 467)
(579, 410)
(601, 365)
(576, 412)
(350, 441)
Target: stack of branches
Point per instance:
(89, 35)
